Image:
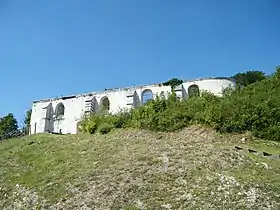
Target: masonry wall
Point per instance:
(43, 112)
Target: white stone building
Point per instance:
(62, 114)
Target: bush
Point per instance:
(122, 119)
(159, 115)
(89, 124)
(105, 128)
(254, 108)
(172, 114)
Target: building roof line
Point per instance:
(124, 89)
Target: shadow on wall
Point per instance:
(91, 105)
(136, 100)
(49, 121)
(94, 104)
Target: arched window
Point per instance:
(193, 91)
(147, 95)
(60, 110)
(105, 103)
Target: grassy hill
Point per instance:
(134, 169)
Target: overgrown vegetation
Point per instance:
(254, 108)
(135, 169)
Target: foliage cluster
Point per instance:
(254, 108)
(249, 77)
(9, 126)
(104, 122)
(8, 123)
(173, 82)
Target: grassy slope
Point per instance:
(191, 169)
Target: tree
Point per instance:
(276, 74)
(249, 77)
(8, 124)
(173, 82)
(27, 119)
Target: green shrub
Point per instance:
(254, 108)
(122, 119)
(89, 124)
(105, 128)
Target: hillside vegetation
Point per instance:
(132, 169)
(202, 153)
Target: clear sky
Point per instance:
(50, 48)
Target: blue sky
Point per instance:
(61, 47)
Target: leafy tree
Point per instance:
(27, 118)
(276, 74)
(173, 82)
(8, 124)
(249, 77)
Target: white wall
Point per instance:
(215, 86)
(73, 112)
(75, 107)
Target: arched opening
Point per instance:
(147, 95)
(105, 103)
(60, 109)
(193, 91)
(58, 120)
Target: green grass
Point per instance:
(132, 169)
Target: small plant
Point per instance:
(105, 128)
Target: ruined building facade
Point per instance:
(62, 114)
